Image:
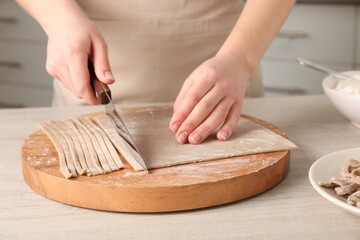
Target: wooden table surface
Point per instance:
(291, 210)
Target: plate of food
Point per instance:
(336, 177)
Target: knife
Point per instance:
(103, 94)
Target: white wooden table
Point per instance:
(292, 210)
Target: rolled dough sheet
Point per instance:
(157, 145)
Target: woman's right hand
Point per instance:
(72, 39)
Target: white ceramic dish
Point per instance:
(345, 103)
(328, 166)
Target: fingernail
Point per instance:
(182, 137)
(109, 75)
(175, 127)
(224, 135)
(195, 138)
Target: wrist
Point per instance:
(248, 64)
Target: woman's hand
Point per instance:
(212, 95)
(210, 98)
(72, 39)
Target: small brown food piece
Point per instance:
(347, 183)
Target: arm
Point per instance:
(72, 39)
(212, 95)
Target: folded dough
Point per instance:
(92, 145)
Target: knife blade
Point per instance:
(103, 94)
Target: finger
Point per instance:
(173, 124)
(200, 112)
(62, 74)
(230, 123)
(206, 74)
(68, 80)
(215, 119)
(189, 101)
(101, 61)
(54, 67)
(79, 74)
(184, 89)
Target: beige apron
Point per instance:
(155, 45)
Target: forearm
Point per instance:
(257, 26)
(48, 13)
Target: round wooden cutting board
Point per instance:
(176, 188)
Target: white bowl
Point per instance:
(346, 103)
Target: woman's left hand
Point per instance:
(211, 98)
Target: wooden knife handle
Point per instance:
(98, 86)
